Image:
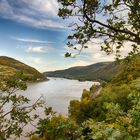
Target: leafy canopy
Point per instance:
(15, 109)
(113, 23)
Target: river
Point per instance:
(57, 92)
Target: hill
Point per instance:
(100, 71)
(9, 67)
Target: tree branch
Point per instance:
(137, 38)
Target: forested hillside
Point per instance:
(100, 71)
(9, 67)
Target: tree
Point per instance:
(15, 109)
(56, 127)
(118, 125)
(113, 23)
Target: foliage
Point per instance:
(56, 127)
(113, 23)
(80, 111)
(118, 125)
(36, 138)
(128, 71)
(93, 107)
(15, 109)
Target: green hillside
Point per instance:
(9, 67)
(99, 71)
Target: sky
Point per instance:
(31, 32)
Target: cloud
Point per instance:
(43, 6)
(38, 49)
(95, 54)
(37, 13)
(35, 60)
(37, 63)
(41, 64)
(32, 40)
(91, 54)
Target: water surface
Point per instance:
(57, 92)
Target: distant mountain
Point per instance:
(100, 71)
(9, 66)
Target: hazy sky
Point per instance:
(31, 32)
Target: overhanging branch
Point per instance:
(127, 32)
